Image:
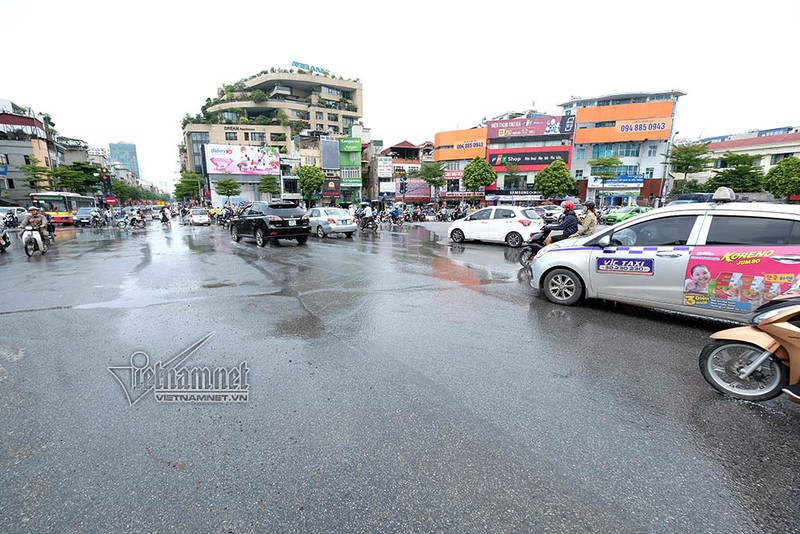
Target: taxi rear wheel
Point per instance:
(563, 286)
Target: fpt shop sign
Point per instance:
(528, 158)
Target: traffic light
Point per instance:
(403, 187)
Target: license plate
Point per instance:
(292, 223)
(344, 221)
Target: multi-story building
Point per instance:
(770, 147)
(25, 138)
(455, 149)
(268, 112)
(637, 128)
(125, 154)
(529, 143)
(405, 158)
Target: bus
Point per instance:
(61, 206)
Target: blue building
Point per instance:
(125, 154)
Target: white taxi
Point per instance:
(719, 259)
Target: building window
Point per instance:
(773, 160)
(580, 153)
(648, 172)
(3, 159)
(291, 185)
(579, 174)
(605, 124)
(622, 169)
(335, 129)
(231, 136)
(320, 115)
(258, 136)
(333, 117)
(247, 136)
(651, 151)
(606, 150)
(27, 160)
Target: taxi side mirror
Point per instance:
(604, 241)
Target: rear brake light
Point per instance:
(331, 220)
(525, 222)
(273, 218)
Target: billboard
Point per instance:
(530, 159)
(350, 144)
(329, 147)
(460, 144)
(529, 127)
(231, 159)
(384, 167)
(331, 187)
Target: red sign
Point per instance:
(111, 201)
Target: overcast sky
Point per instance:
(129, 71)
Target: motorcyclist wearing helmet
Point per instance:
(38, 221)
(568, 225)
(589, 221)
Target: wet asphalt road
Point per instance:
(397, 383)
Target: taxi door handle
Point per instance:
(669, 254)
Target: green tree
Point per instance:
(739, 172)
(556, 181)
(35, 174)
(227, 187)
(605, 169)
(122, 190)
(512, 174)
(433, 173)
(189, 186)
(478, 173)
(66, 179)
(258, 96)
(783, 179)
(688, 159)
(310, 180)
(269, 184)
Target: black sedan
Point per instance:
(270, 222)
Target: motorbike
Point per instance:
(137, 222)
(32, 241)
(5, 240)
(97, 221)
(758, 361)
(532, 247)
(365, 223)
(10, 220)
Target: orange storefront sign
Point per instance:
(631, 130)
(646, 110)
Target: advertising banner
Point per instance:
(453, 175)
(388, 187)
(329, 148)
(530, 158)
(350, 144)
(384, 167)
(350, 159)
(230, 159)
(738, 279)
(524, 127)
(331, 187)
(622, 180)
(351, 177)
(659, 127)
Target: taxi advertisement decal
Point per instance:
(738, 279)
(635, 266)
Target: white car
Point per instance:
(199, 216)
(326, 221)
(512, 225)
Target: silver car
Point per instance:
(326, 221)
(719, 260)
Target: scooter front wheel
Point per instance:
(525, 256)
(721, 362)
(30, 247)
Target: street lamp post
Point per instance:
(662, 192)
